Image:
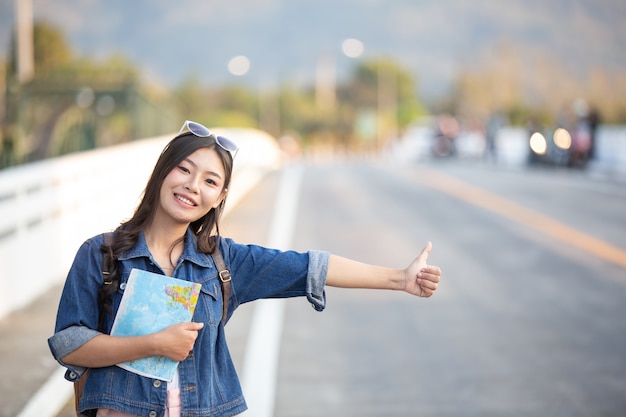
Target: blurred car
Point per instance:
(550, 147)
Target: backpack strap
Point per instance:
(107, 265)
(225, 278)
(107, 259)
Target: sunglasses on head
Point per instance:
(203, 132)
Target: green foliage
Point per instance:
(226, 118)
(298, 110)
(384, 85)
(379, 88)
(74, 104)
(51, 48)
(227, 107)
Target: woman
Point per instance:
(172, 233)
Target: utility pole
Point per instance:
(25, 42)
(387, 104)
(325, 82)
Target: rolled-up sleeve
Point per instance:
(316, 279)
(67, 341)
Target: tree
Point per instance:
(51, 50)
(383, 86)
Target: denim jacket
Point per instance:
(208, 381)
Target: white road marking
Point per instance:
(260, 363)
(50, 398)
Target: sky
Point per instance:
(285, 39)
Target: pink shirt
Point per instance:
(172, 405)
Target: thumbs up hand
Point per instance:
(422, 279)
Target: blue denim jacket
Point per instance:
(208, 381)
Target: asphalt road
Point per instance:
(529, 317)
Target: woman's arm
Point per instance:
(418, 278)
(174, 342)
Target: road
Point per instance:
(528, 319)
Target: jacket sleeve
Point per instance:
(77, 316)
(66, 341)
(259, 272)
(316, 279)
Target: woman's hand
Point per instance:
(422, 279)
(175, 342)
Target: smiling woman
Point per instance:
(175, 232)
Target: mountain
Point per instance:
(285, 39)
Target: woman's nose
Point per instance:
(192, 186)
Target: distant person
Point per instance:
(495, 123)
(446, 132)
(593, 120)
(172, 233)
(584, 134)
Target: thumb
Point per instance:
(423, 256)
(194, 325)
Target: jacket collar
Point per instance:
(190, 251)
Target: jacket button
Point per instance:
(156, 383)
(153, 414)
(123, 286)
(73, 375)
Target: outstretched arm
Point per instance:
(418, 278)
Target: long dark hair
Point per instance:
(127, 234)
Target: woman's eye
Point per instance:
(182, 168)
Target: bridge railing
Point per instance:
(48, 208)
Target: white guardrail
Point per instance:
(48, 208)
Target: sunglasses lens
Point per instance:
(198, 130)
(226, 143)
(201, 131)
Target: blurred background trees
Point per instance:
(75, 103)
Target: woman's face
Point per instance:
(193, 187)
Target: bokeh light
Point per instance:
(239, 65)
(562, 138)
(352, 48)
(538, 143)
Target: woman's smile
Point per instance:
(185, 200)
